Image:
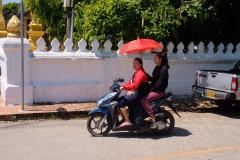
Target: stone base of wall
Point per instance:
(13, 94)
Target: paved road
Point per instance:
(198, 136)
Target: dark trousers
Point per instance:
(146, 101)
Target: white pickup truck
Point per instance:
(220, 86)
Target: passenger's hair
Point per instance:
(163, 55)
(139, 60)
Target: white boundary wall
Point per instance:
(84, 75)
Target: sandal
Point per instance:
(124, 125)
(148, 119)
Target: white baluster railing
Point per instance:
(198, 51)
(68, 45)
(41, 45)
(95, 45)
(55, 45)
(82, 45)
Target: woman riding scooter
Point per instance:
(132, 86)
(104, 117)
(158, 86)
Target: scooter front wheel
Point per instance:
(98, 125)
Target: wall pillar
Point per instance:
(3, 32)
(10, 57)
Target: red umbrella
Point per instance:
(140, 46)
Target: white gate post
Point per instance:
(10, 55)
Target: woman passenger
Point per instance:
(158, 86)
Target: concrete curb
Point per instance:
(46, 115)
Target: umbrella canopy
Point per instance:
(140, 46)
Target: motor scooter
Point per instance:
(105, 117)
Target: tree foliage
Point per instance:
(104, 19)
(51, 15)
(163, 20)
(129, 19)
(10, 9)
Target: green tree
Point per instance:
(10, 9)
(102, 19)
(218, 22)
(51, 14)
(164, 20)
(129, 19)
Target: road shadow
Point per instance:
(227, 111)
(177, 132)
(189, 104)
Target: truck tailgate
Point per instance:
(219, 80)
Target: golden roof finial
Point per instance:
(2, 20)
(14, 26)
(3, 32)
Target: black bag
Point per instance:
(143, 89)
(137, 113)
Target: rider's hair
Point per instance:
(140, 61)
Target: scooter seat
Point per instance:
(160, 100)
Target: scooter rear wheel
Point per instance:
(169, 120)
(94, 126)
